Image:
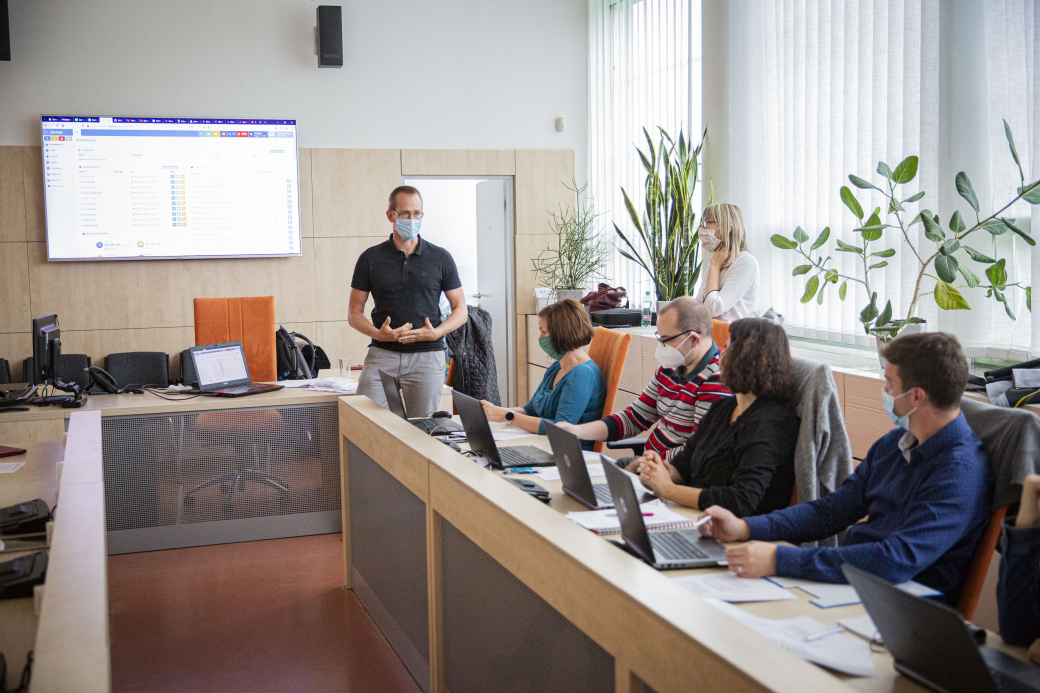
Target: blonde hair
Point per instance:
(731, 225)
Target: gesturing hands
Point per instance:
(387, 334)
(427, 333)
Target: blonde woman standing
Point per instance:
(730, 285)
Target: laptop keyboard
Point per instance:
(673, 546)
(512, 458)
(1009, 684)
(603, 497)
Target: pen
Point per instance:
(701, 522)
(521, 471)
(824, 633)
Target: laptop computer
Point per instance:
(664, 549)
(222, 371)
(931, 645)
(570, 459)
(481, 442)
(434, 425)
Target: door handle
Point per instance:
(476, 295)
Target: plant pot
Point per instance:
(576, 294)
(912, 328)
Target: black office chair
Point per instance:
(5, 372)
(139, 368)
(71, 368)
(637, 445)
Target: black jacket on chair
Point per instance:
(475, 373)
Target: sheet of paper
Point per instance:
(10, 467)
(343, 385)
(839, 652)
(861, 626)
(298, 383)
(511, 434)
(829, 595)
(730, 588)
(655, 514)
(553, 473)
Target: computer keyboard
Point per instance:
(1009, 684)
(512, 458)
(603, 497)
(674, 546)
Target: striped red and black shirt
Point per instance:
(676, 401)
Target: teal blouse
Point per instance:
(578, 397)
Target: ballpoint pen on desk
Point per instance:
(833, 630)
(520, 471)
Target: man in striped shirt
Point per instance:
(682, 389)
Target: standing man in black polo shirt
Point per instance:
(406, 275)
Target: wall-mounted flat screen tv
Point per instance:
(121, 188)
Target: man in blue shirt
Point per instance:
(924, 489)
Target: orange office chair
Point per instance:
(249, 320)
(972, 589)
(719, 333)
(609, 349)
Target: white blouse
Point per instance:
(736, 296)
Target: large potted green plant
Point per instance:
(580, 251)
(666, 226)
(939, 264)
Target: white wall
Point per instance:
(418, 74)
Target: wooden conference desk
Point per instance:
(478, 586)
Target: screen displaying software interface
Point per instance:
(170, 187)
(220, 365)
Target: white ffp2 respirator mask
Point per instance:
(669, 356)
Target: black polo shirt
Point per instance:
(407, 289)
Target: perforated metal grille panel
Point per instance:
(388, 545)
(152, 464)
(501, 636)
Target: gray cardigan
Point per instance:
(822, 457)
(1011, 439)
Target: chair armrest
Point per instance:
(637, 445)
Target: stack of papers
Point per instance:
(511, 434)
(838, 652)
(828, 595)
(728, 587)
(656, 515)
(342, 385)
(861, 626)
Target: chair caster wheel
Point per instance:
(226, 490)
(189, 501)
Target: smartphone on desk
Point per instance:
(7, 451)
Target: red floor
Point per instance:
(255, 616)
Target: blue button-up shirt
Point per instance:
(926, 511)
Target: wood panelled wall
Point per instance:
(107, 307)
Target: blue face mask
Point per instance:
(889, 402)
(408, 228)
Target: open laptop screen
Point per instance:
(220, 365)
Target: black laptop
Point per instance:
(930, 643)
(222, 371)
(434, 425)
(664, 549)
(481, 442)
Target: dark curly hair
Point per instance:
(758, 360)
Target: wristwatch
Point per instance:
(510, 415)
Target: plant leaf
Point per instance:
(872, 233)
(831, 276)
(995, 226)
(932, 230)
(977, 256)
(894, 206)
(965, 190)
(950, 247)
(801, 269)
(970, 278)
(870, 312)
(997, 274)
(884, 170)
(819, 296)
(1031, 193)
(1029, 299)
(851, 202)
(1011, 143)
(888, 252)
(843, 289)
(948, 298)
(883, 263)
(782, 242)
(885, 317)
(862, 184)
(821, 239)
(906, 170)
(946, 268)
(915, 197)
(957, 223)
(1025, 236)
(846, 248)
(810, 289)
(800, 235)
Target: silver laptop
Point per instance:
(664, 549)
(222, 371)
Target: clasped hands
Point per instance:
(406, 335)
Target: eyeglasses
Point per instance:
(665, 340)
(408, 215)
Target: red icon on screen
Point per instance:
(61, 139)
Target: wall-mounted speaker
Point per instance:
(5, 32)
(329, 34)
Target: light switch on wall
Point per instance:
(559, 124)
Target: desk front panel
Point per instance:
(154, 465)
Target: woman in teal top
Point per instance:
(572, 389)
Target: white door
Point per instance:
(495, 278)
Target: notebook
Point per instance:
(605, 522)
